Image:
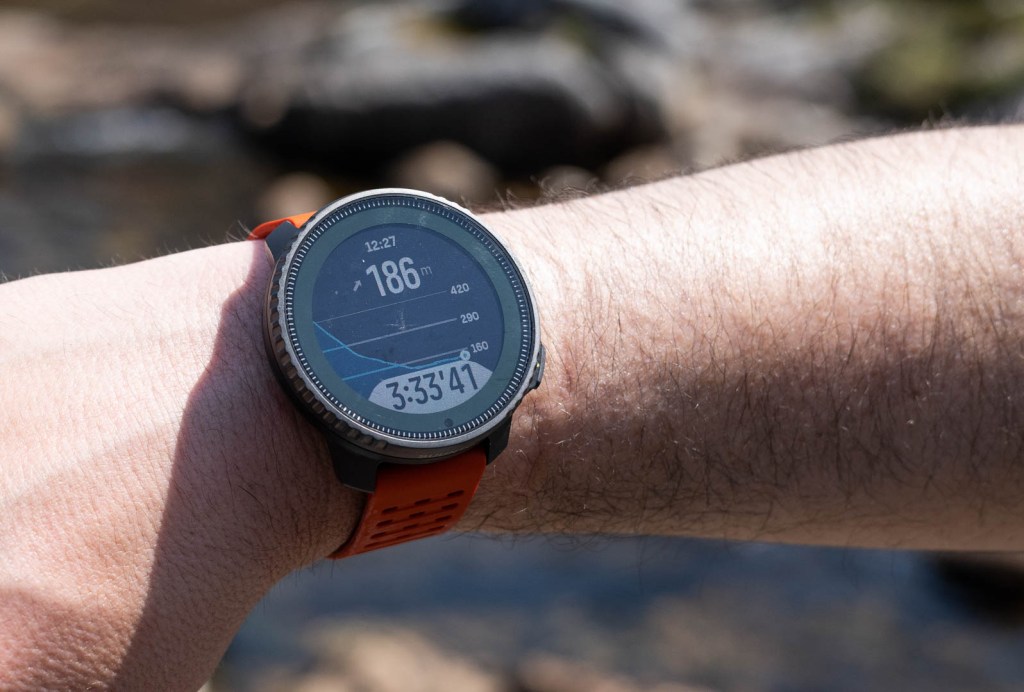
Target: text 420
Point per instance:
(434, 385)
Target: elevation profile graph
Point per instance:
(363, 372)
(415, 351)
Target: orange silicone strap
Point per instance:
(415, 501)
(265, 229)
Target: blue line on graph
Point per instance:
(329, 335)
(407, 368)
(389, 365)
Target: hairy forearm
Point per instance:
(819, 347)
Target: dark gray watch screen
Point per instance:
(408, 319)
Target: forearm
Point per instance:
(818, 347)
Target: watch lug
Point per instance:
(280, 239)
(497, 441)
(538, 371)
(352, 469)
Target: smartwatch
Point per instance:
(406, 332)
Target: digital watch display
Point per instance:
(407, 318)
(405, 329)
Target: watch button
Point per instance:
(538, 371)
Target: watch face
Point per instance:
(408, 319)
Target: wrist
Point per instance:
(274, 464)
(182, 483)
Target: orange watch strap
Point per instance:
(415, 501)
(266, 228)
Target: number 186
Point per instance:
(395, 278)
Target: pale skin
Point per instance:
(822, 347)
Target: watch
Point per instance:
(404, 329)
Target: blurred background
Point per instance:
(130, 129)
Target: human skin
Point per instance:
(820, 347)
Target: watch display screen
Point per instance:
(408, 317)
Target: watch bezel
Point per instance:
(348, 426)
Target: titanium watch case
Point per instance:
(356, 449)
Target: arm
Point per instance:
(820, 347)
(823, 346)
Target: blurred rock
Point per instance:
(560, 180)
(53, 68)
(641, 20)
(180, 12)
(990, 585)
(372, 657)
(643, 165)
(544, 673)
(446, 169)
(722, 129)
(10, 126)
(383, 80)
(351, 87)
(942, 57)
(808, 54)
(376, 659)
(293, 194)
(128, 132)
(501, 14)
(525, 86)
(1000, 110)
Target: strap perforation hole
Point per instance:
(389, 540)
(424, 501)
(456, 493)
(449, 508)
(389, 510)
(441, 520)
(417, 515)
